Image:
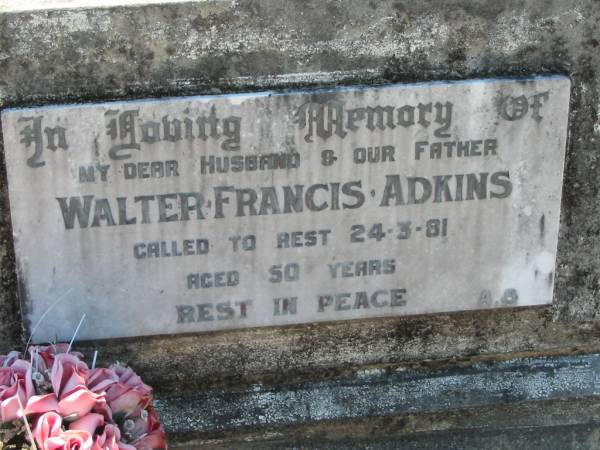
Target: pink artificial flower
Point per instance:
(145, 431)
(76, 404)
(110, 439)
(42, 357)
(89, 423)
(124, 400)
(99, 380)
(79, 402)
(69, 378)
(130, 395)
(129, 378)
(47, 426)
(68, 373)
(15, 385)
(102, 408)
(6, 375)
(49, 435)
(40, 404)
(84, 399)
(70, 440)
(71, 397)
(152, 441)
(7, 360)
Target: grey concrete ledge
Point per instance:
(569, 437)
(385, 393)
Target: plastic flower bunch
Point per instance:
(55, 400)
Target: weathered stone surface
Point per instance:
(207, 213)
(382, 434)
(486, 405)
(198, 48)
(58, 56)
(386, 392)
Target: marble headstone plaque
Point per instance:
(216, 212)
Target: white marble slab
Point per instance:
(216, 212)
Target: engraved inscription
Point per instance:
(221, 212)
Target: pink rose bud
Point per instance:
(70, 440)
(47, 426)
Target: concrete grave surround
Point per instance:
(235, 211)
(93, 55)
